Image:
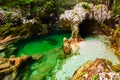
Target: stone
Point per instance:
(71, 46)
(71, 19)
(97, 70)
(10, 65)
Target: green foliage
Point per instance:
(116, 37)
(5, 8)
(116, 32)
(86, 6)
(5, 27)
(95, 77)
(36, 9)
(43, 26)
(10, 50)
(116, 9)
(25, 1)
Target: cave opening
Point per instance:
(89, 28)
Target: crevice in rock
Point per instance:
(89, 27)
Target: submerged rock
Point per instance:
(11, 65)
(7, 48)
(97, 70)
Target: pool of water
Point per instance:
(41, 44)
(49, 48)
(52, 65)
(93, 47)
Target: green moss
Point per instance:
(25, 1)
(5, 7)
(86, 6)
(116, 32)
(116, 8)
(95, 77)
(5, 27)
(98, 6)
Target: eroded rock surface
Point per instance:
(71, 19)
(97, 70)
(6, 16)
(71, 46)
(10, 65)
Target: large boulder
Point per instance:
(71, 19)
(95, 70)
(71, 46)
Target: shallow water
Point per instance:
(49, 47)
(90, 49)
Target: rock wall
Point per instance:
(71, 19)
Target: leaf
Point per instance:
(25, 1)
(36, 9)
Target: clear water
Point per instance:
(41, 44)
(50, 48)
(90, 49)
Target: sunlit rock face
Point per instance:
(91, 48)
(71, 19)
(97, 70)
(101, 13)
(71, 46)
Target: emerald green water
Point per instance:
(49, 49)
(52, 64)
(41, 44)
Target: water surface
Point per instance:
(53, 64)
(93, 47)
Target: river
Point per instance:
(53, 64)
